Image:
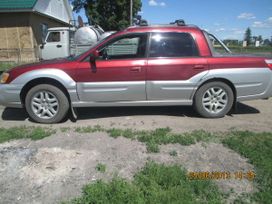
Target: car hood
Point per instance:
(53, 63)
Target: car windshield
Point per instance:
(217, 47)
(76, 57)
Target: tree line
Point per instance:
(252, 39)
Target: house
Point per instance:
(24, 24)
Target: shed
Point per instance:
(24, 24)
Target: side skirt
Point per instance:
(133, 103)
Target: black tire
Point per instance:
(206, 103)
(60, 110)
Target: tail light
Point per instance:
(269, 63)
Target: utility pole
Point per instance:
(131, 14)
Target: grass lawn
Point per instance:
(257, 147)
(154, 184)
(34, 133)
(168, 184)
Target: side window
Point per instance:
(172, 45)
(125, 48)
(44, 29)
(53, 37)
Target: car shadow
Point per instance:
(14, 114)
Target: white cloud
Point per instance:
(269, 19)
(263, 24)
(152, 3)
(162, 4)
(220, 30)
(246, 16)
(156, 3)
(259, 24)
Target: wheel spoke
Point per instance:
(49, 113)
(206, 99)
(208, 103)
(54, 104)
(36, 104)
(38, 100)
(43, 113)
(47, 96)
(42, 95)
(52, 110)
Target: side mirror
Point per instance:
(96, 53)
(93, 57)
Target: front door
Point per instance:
(174, 67)
(55, 45)
(120, 72)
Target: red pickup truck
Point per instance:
(140, 66)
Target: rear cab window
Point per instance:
(172, 45)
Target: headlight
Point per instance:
(4, 78)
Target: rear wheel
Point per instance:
(213, 100)
(46, 104)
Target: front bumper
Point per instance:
(10, 95)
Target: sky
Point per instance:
(227, 19)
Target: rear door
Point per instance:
(174, 66)
(120, 71)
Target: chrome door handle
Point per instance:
(199, 66)
(136, 69)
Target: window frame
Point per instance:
(49, 33)
(191, 36)
(44, 30)
(147, 35)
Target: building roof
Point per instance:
(59, 10)
(17, 4)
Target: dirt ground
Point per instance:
(55, 168)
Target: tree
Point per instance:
(267, 42)
(109, 14)
(260, 38)
(248, 36)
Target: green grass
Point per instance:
(64, 129)
(173, 153)
(5, 66)
(257, 147)
(34, 133)
(154, 184)
(152, 138)
(89, 129)
(101, 168)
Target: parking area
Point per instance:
(253, 116)
(55, 168)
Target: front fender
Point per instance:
(56, 74)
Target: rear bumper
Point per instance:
(10, 95)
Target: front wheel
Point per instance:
(213, 100)
(46, 104)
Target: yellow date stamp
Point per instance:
(221, 175)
